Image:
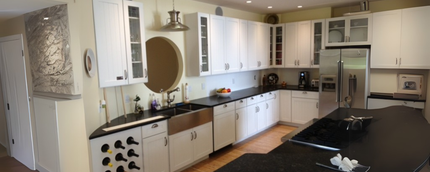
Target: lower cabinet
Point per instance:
(285, 105)
(304, 106)
(224, 125)
(190, 145)
(261, 115)
(156, 153)
(272, 111)
(241, 124)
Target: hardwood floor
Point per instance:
(9, 164)
(3, 151)
(261, 143)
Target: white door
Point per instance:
(285, 106)
(241, 124)
(252, 45)
(252, 119)
(261, 115)
(203, 141)
(156, 153)
(217, 44)
(224, 129)
(243, 45)
(181, 149)
(15, 95)
(304, 110)
(231, 44)
(290, 47)
(304, 44)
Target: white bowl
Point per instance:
(223, 94)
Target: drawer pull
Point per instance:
(261, 95)
(154, 126)
(237, 116)
(225, 105)
(195, 135)
(252, 98)
(192, 136)
(165, 139)
(304, 92)
(241, 101)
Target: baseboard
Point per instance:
(41, 168)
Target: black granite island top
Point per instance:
(241, 94)
(398, 139)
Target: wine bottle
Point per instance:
(119, 157)
(105, 148)
(107, 171)
(131, 153)
(118, 144)
(130, 140)
(132, 165)
(106, 162)
(120, 169)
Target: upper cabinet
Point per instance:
(317, 44)
(298, 44)
(243, 45)
(276, 58)
(258, 45)
(197, 44)
(121, 53)
(354, 30)
(401, 39)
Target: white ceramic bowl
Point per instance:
(223, 94)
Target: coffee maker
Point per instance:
(303, 79)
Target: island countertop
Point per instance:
(398, 139)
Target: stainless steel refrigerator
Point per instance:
(343, 79)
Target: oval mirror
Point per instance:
(164, 64)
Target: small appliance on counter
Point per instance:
(409, 86)
(315, 83)
(303, 79)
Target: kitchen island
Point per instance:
(398, 139)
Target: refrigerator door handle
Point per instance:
(341, 81)
(338, 82)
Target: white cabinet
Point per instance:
(387, 27)
(224, 125)
(155, 147)
(190, 145)
(252, 45)
(297, 44)
(276, 58)
(241, 120)
(243, 45)
(261, 115)
(121, 53)
(354, 30)
(285, 105)
(415, 38)
(258, 45)
(304, 106)
(197, 44)
(317, 41)
(272, 111)
(231, 44)
(216, 33)
(383, 103)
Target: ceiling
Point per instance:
(14, 8)
(280, 6)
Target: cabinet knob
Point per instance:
(241, 101)
(154, 126)
(304, 92)
(225, 105)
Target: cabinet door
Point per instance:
(277, 46)
(273, 116)
(261, 115)
(290, 45)
(317, 41)
(252, 45)
(231, 44)
(243, 45)
(181, 149)
(224, 129)
(359, 30)
(110, 42)
(304, 44)
(415, 39)
(386, 39)
(285, 105)
(335, 29)
(217, 44)
(252, 119)
(203, 142)
(304, 110)
(135, 47)
(269, 112)
(197, 44)
(263, 39)
(241, 124)
(156, 153)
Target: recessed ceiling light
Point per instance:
(248, 2)
(45, 18)
(269, 7)
(299, 6)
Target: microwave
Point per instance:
(410, 84)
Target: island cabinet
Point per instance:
(408, 39)
(304, 106)
(197, 41)
(241, 120)
(298, 44)
(285, 105)
(120, 42)
(353, 30)
(155, 147)
(190, 145)
(224, 125)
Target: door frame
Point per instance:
(4, 83)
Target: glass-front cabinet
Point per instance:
(317, 43)
(276, 56)
(197, 41)
(354, 30)
(135, 42)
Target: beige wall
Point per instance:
(377, 6)
(312, 14)
(3, 124)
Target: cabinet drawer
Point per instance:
(251, 100)
(154, 128)
(382, 103)
(240, 103)
(261, 98)
(305, 94)
(220, 109)
(270, 95)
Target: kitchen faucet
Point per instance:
(168, 96)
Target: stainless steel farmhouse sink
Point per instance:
(187, 116)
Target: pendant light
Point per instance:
(174, 24)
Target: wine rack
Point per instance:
(118, 152)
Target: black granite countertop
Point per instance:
(245, 93)
(207, 101)
(389, 96)
(397, 139)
